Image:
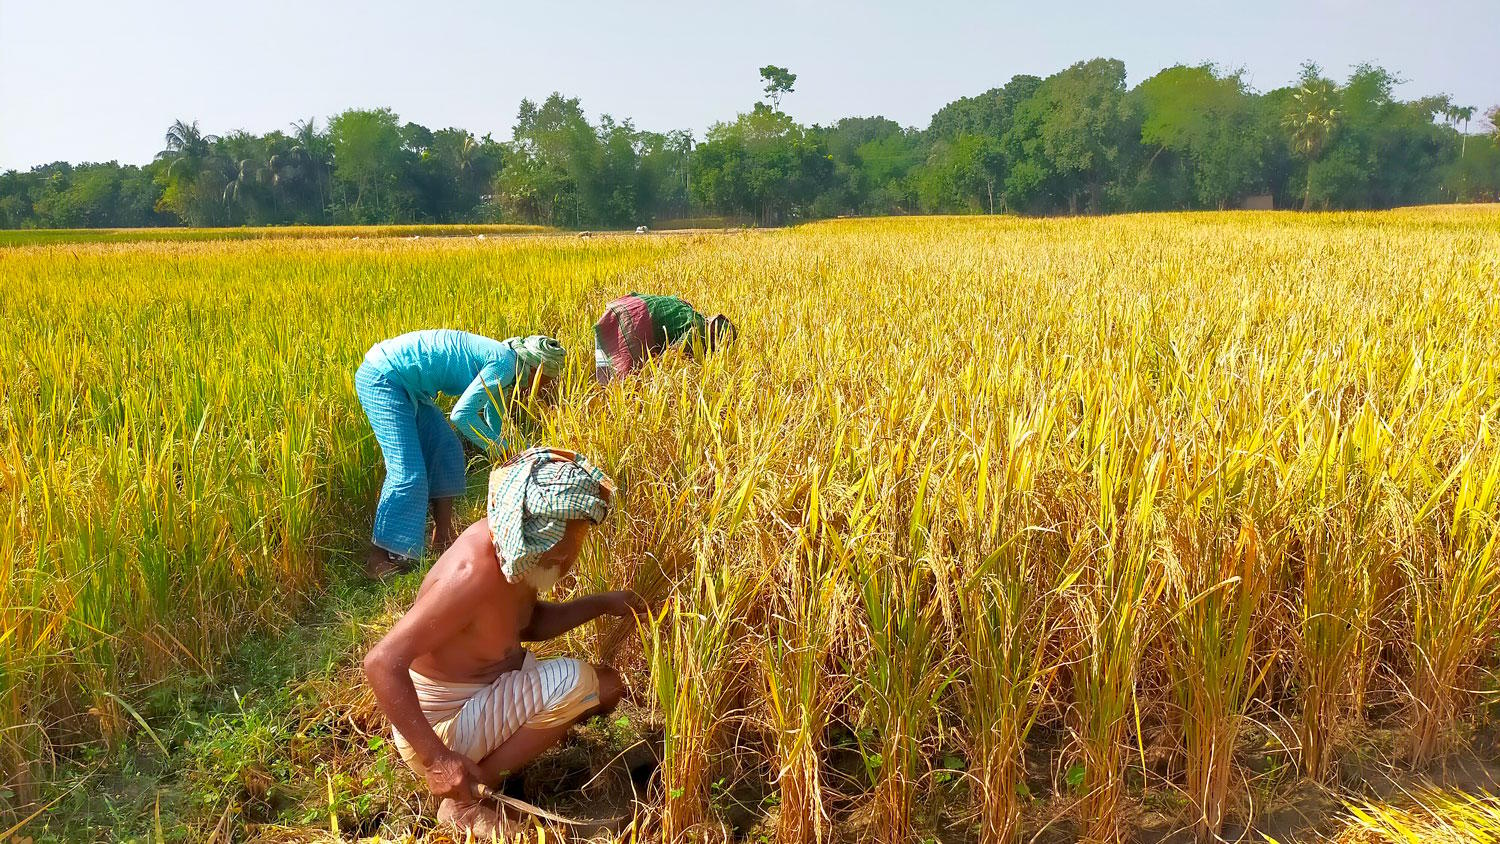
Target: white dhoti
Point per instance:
(475, 718)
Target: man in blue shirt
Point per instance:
(398, 383)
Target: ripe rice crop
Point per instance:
(1006, 511)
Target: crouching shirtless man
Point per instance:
(467, 702)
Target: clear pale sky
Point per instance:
(95, 80)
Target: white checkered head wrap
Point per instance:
(534, 496)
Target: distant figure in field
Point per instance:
(467, 702)
(640, 229)
(398, 383)
(638, 327)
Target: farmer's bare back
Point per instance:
(492, 611)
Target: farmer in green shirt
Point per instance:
(639, 327)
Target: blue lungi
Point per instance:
(423, 459)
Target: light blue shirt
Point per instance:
(479, 370)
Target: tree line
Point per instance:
(1079, 141)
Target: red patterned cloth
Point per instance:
(624, 333)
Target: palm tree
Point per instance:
(283, 172)
(311, 152)
(246, 174)
(187, 149)
(466, 152)
(1313, 117)
(195, 172)
(1464, 113)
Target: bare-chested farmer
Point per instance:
(467, 701)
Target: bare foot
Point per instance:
(485, 823)
(379, 564)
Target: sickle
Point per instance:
(484, 792)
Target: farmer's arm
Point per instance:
(478, 414)
(438, 615)
(548, 620)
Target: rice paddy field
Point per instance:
(1160, 527)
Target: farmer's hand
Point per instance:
(453, 776)
(623, 604)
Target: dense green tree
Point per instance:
(368, 157)
(763, 164)
(966, 160)
(666, 173)
(779, 82)
(60, 195)
(561, 170)
(1364, 148)
(553, 149)
(462, 168)
(1405, 149)
(1209, 123)
(447, 173)
(872, 158)
(618, 195)
(965, 173)
(1065, 137)
(92, 196)
(249, 192)
(1475, 176)
(988, 114)
(1188, 137)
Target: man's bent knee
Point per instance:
(611, 688)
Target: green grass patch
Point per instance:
(46, 237)
(283, 736)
